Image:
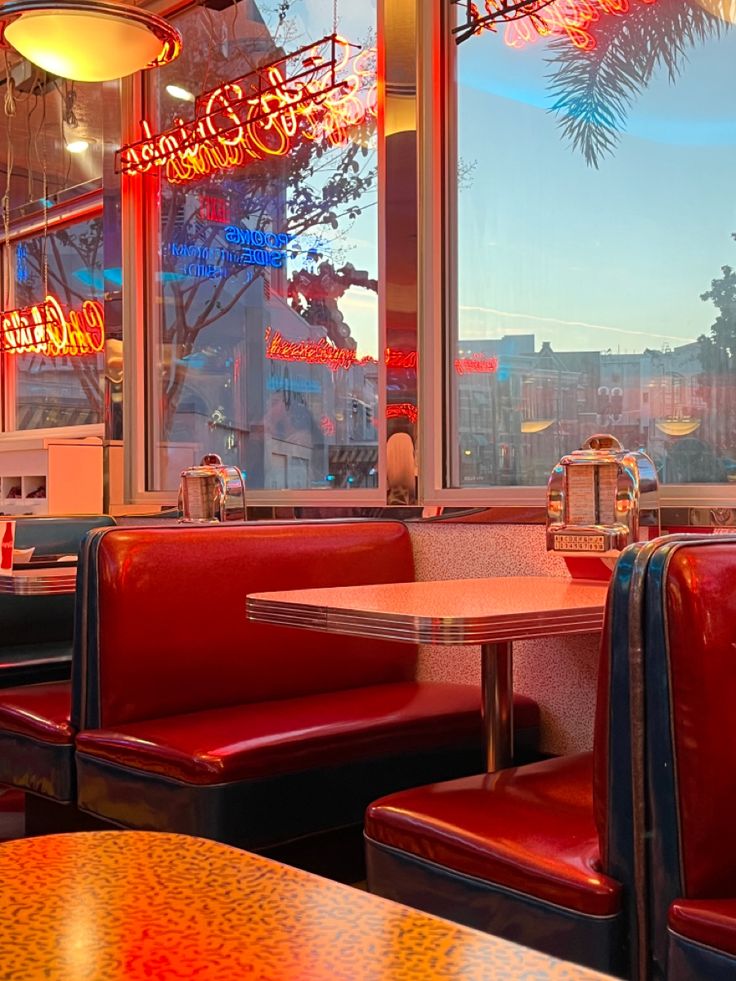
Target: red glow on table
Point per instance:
(45, 329)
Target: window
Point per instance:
(52, 137)
(595, 244)
(55, 375)
(263, 332)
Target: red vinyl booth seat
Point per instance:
(701, 940)
(37, 739)
(710, 922)
(36, 736)
(245, 742)
(488, 827)
(541, 854)
(194, 719)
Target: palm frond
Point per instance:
(594, 90)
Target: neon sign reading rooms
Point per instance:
(319, 93)
(46, 329)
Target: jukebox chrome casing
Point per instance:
(211, 492)
(601, 498)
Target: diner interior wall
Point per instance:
(559, 673)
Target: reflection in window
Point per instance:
(52, 137)
(54, 389)
(596, 257)
(265, 332)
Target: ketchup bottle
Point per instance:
(6, 549)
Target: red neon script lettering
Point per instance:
(329, 93)
(478, 364)
(571, 18)
(402, 410)
(46, 329)
(323, 352)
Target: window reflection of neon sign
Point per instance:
(46, 329)
(402, 410)
(319, 352)
(319, 93)
(323, 352)
(564, 18)
(478, 364)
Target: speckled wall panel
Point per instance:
(559, 673)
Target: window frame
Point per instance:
(438, 232)
(87, 205)
(138, 229)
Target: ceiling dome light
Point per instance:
(177, 92)
(77, 146)
(89, 40)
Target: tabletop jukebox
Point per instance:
(600, 499)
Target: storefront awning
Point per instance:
(44, 416)
(353, 455)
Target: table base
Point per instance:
(497, 704)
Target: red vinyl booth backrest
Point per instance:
(701, 640)
(171, 636)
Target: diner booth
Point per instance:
(367, 504)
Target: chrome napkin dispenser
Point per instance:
(600, 498)
(211, 492)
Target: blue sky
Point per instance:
(615, 258)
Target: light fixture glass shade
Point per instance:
(89, 40)
(678, 427)
(536, 425)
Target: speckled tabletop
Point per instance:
(451, 611)
(124, 906)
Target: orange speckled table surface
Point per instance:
(452, 611)
(126, 905)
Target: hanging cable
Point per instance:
(45, 192)
(9, 107)
(33, 93)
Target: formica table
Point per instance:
(39, 580)
(129, 905)
(490, 612)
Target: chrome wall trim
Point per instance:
(399, 249)
(437, 274)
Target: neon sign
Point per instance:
(478, 364)
(46, 329)
(323, 352)
(320, 352)
(571, 18)
(319, 93)
(402, 410)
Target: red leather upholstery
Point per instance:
(706, 921)
(198, 651)
(38, 712)
(701, 612)
(196, 719)
(530, 829)
(270, 738)
(519, 853)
